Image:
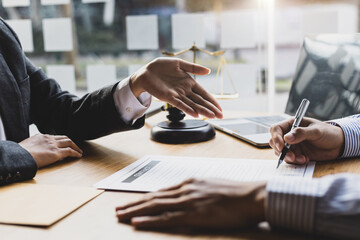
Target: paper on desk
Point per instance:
(41, 205)
(152, 173)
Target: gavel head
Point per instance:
(175, 115)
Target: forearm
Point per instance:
(326, 206)
(57, 112)
(16, 164)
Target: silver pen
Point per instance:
(300, 113)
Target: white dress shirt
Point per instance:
(328, 206)
(129, 107)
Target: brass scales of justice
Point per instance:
(177, 130)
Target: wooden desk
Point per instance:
(105, 156)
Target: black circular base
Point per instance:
(187, 131)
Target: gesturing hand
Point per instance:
(168, 80)
(47, 149)
(199, 204)
(313, 140)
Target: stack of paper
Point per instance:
(152, 173)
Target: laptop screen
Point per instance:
(328, 74)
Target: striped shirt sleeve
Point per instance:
(351, 128)
(328, 206)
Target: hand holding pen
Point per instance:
(300, 113)
(314, 140)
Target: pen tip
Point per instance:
(278, 164)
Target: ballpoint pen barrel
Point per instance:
(300, 113)
(284, 152)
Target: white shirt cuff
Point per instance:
(129, 107)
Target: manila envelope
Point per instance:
(41, 205)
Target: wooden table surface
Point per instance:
(105, 156)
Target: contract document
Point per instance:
(152, 173)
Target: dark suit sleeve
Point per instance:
(58, 112)
(16, 164)
(40, 100)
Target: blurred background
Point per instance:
(87, 44)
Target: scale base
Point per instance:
(186, 131)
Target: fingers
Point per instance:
(198, 107)
(193, 104)
(277, 135)
(181, 90)
(296, 156)
(177, 186)
(193, 68)
(190, 107)
(167, 219)
(47, 149)
(69, 152)
(277, 142)
(151, 196)
(207, 100)
(290, 157)
(300, 134)
(173, 192)
(67, 148)
(154, 206)
(183, 106)
(198, 89)
(67, 142)
(59, 137)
